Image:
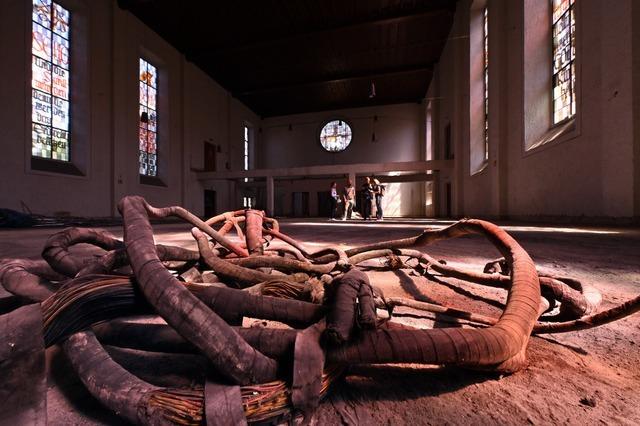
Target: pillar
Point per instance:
(270, 196)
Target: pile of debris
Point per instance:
(328, 315)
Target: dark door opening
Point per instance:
(448, 145)
(300, 204)
(324, 204)
(361, 200)
(209, 157)
(448, 198)
(209, 203)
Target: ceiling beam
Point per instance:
(195, 54)
(368, 74)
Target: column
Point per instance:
(270, 196)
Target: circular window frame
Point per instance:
(324, 124)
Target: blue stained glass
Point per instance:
(60, 52)
(147, 135)
(153, 121)
(60, 113)
(151, 98)
(142, 139)
(41, 109)
(60, 86)
(335, 136)
(144, 99)
(50, 106)
(40, 140)
(143, 70)
(151, 142)
(60, 145)
(563, 20)
(143, 163)
(42, 12)
(144, 117)
(61, 21)
(41, 42)
(41, 74)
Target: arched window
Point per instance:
(335, 136)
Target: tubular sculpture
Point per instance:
(328, 314)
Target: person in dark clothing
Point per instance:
(378, 190)
(334, 201)
(367, 189)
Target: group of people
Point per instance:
(345, 203)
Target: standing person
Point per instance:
(379, 192)
(349, 199)
(367, 189)
(334, 200)
(374, 196)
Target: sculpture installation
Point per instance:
(334, 316)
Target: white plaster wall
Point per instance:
(193, 109)
(293, 141)
(397, 129)
(587, 172)
(48, 192)
(212, 115)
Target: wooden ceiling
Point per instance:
(289, 56)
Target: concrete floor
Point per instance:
(600, 365)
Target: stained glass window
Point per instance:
(148, 127)
(246, 151)
(50, 88)
(564, 55)
(335, 136)
(485, 53)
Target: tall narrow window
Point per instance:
(50, 81)
(485, 53)
(246, 151)
(148, 128)
(564, 54)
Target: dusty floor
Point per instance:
(585, 377)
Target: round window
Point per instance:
(335, 136)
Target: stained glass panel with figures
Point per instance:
(335, 136)
(564, 55)
(50, 81)
(148, 119)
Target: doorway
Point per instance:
(300, 204)
(209, 203)
(209, 157)
(448, 198)
(324, 203)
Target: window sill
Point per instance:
(560, 132)
(55, 166)
(152, 180)
(480, 170)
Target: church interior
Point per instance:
(319, 212)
